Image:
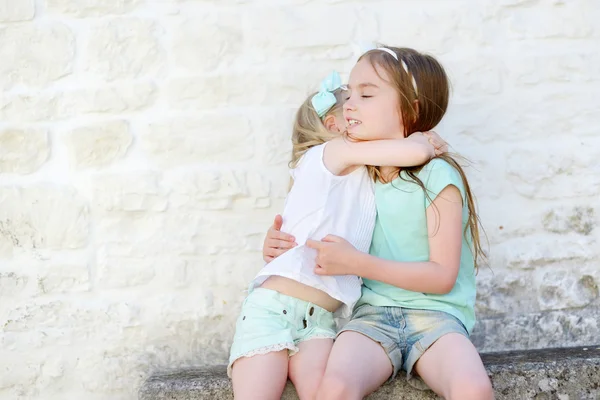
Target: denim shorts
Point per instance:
(405, 334)
(271, 321)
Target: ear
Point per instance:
(330, 124)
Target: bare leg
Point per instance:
(307, 367)
(261, 377)
(357, 366)
(453, 369)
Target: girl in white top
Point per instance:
(332, 193)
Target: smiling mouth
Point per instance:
(352, 122)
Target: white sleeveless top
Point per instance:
(321, 203)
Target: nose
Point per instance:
(349, 105)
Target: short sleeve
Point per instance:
(438, 175)
(300, 165)
(310, 163)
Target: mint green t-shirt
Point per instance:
(401, 235)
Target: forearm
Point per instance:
(395, 153)
(425, 277)
(402, 153)
(341, 154)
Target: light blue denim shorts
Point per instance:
(405, 334)
(271, 321)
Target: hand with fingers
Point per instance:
(439, 144)
(276, 242)
(335, 256)
(431, 140)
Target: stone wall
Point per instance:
(143, 151)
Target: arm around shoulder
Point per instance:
(341, 153)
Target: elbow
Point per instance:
(445, 278)
(445, 287)
(446, 283)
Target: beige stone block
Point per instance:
(258, 183)
(565, 169)
(119, 98)
(504, 292)
(214, 189)
(13, 11)
(138, 235)
(563, 288)
(249, 89)
(52, 106)
(124, 49)
(100, 144)
(299, 31)
(129, 192)
(21, 108)
(63, 279)
(540, 66)
(547, 21)
(176, 274)
(533, 250)
(30, 316)
(12, 284)
(23, 151)
(43, 217)
(226, 235)
(410, 33)
(184, 141)
(201, 185)
(131, 234)
(203, 43)
(273, 133)
(224, 2)
(72, 322)
(38, 53)
(25, 372)
(6, 247)
(579, 219)
(91, 8)
(124, 272)
(217, 272)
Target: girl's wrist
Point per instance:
(356, 262)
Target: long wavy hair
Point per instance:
(422, 109)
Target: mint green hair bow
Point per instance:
(325, 99)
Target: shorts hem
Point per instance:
(319, 336)
(291, 347)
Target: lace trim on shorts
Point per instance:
(265, 350)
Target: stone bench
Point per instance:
(547, 374)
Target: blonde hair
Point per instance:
(309, 130)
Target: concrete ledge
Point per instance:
(562, 374)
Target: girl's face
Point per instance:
(371, 110)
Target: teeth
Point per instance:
(353, 122)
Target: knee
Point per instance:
(474, 389)
(336, 388)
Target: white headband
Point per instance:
(401, 61)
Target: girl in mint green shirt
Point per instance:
(417, 306)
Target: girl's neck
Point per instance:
(388, 174)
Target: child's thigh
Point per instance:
(261, 376)
(357, 366)
(307, 367)
(452, 368)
